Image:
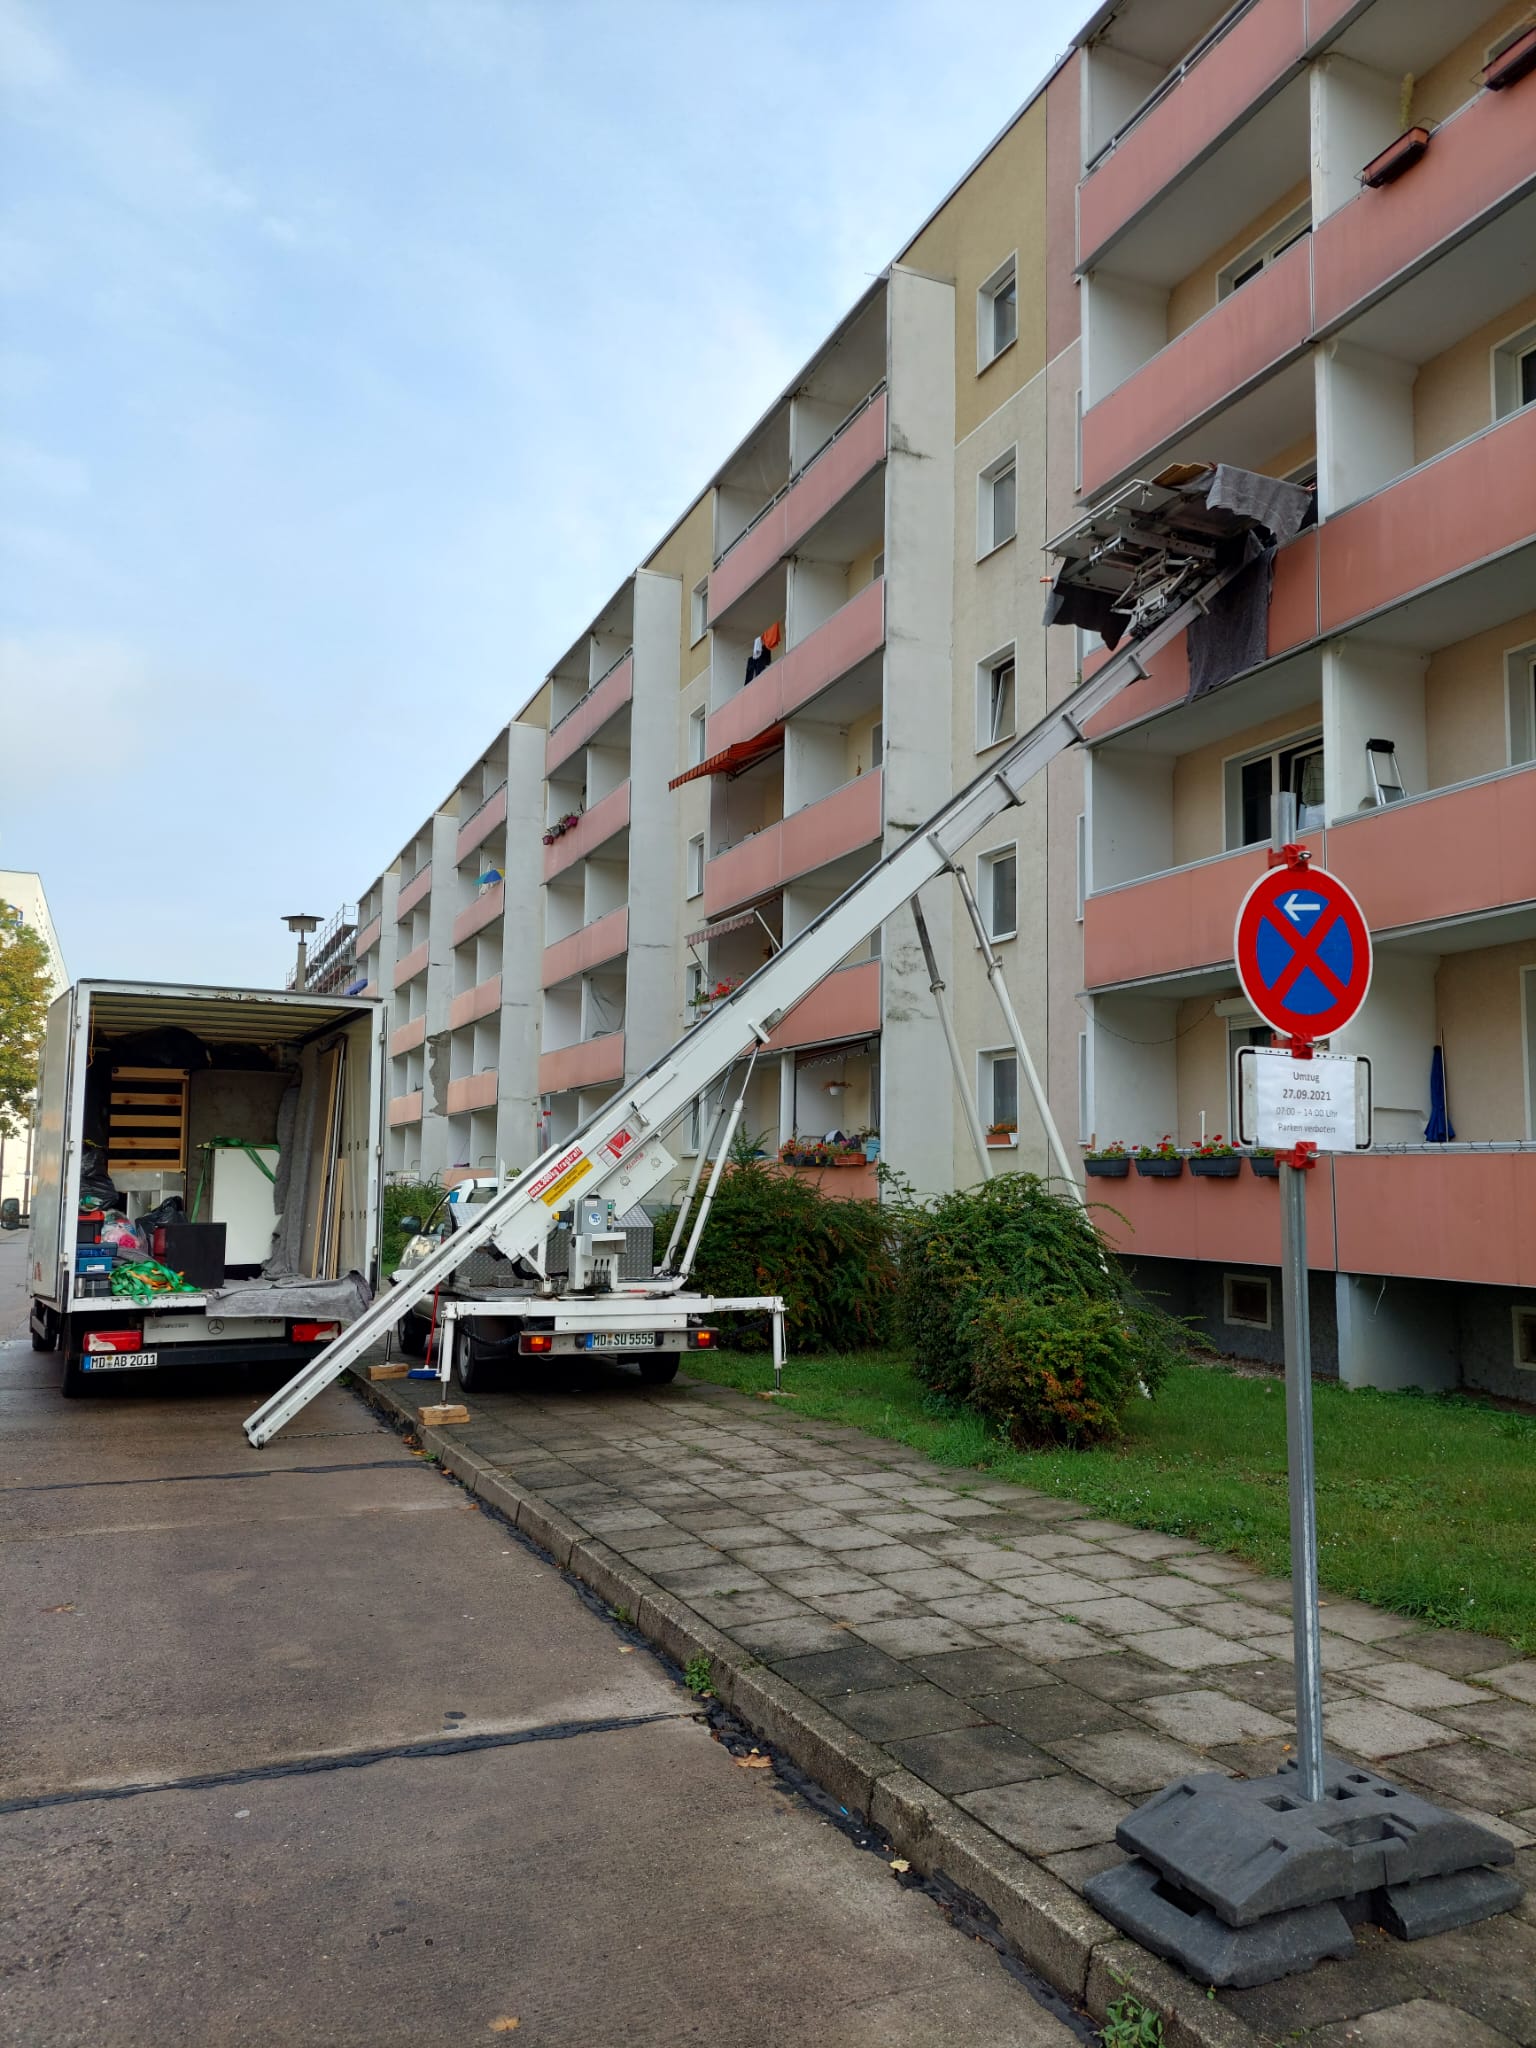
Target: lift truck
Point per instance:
(1154, 556)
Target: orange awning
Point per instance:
(732, 760)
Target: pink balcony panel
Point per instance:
(1484, 154)
(414, 890)
(472, 1091)
(591, 714)
(485, 908)
(840, 823)
(1292, 623)
(369, 988)
(1233, 1222)
(823, 483)
(1475, 501)
(1452, 855)
(1170, 923)
(591, 1064)
(408, 1037)
(850, 636)
(414, 963)
(601, 823)
(1249, 63)
(483, 1000)
(368, 937)
(1248, 334)
(405, 1109)
(605, 938)
(479, 825)
(1468, 1216)
(845, 1005)
(1326, 17)
(847, 1183)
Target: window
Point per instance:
(1525, 1338)
(692, 1132)
(1084, 1092)
(696, 866)
(1000, 1088)
(698, 612)
(1240, 1036)
(1520, 668)
(1082, 862)
(693, 988)
(1260, 254)
(1254, 778)
(1245, 1300)
(995, 700)
(999, 878)
(696, 737)
(877, 745)
(997, 314)
(1514, 373)
(877, 569)
(997, 504)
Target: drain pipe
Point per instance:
(936, 986)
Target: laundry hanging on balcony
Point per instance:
(732, 760)
(758, 659)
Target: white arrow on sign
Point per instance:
(1296, 906)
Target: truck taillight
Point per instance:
(114, 1340)
(314, 1333)
(536, 1341)
(701, 1340)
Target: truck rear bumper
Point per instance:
(175, 1357)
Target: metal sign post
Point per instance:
(1301, 1475)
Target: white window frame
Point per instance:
(1237, 1322)
(1231, 780)
(693, 1135)
(1082, 863)
(1504, 360)
(698, 736)
(986, 671)
(877, 744)
(1520, 703)
(1263, 250)
(696, 865)
(988, 347)
(698, 612)
(986, 1062)
(1084, 1089)
(985, 863)
(988, 540)
(1528, 1040)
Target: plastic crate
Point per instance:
(93, 1286)
(93, 1259)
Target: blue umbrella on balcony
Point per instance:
(1439, 1130)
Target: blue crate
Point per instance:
(90, 1258)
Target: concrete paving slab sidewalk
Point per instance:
(998, 1675)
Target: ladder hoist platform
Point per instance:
(1164, 557)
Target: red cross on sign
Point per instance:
(1303, 951)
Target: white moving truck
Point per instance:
(236, 1129)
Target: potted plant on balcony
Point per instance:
(706, 996)
(1108, 1162)
(804, 1152)
(1215, 1159)
(1264, 1163)
(1402, 154)
(1162, 1161)
(869, 1139)
(1004, 1133)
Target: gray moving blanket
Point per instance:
(1233, 635)
(323, 1301)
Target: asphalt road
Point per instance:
(301, 1747)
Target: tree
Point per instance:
(26, 980)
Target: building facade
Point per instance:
(1168, 255)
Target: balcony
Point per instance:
(414, 963)
(415, 889)
(842, 823)
(605, 938)
(856, 449)
(586, 719)
(483, 1000)
(850, 636)
(1242, 339)
(845, 1005)
(482, 910)
(593, 1063)
(1172, 923)
(1229, 1222)
(473, 1091)
(481, 823)
(850, 1183)
(408, 1037)
(369, 937)
(599, 824)
(1218, 94)
(404, 1109)
(1439, 1214)
(1458, 853)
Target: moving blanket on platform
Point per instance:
(324, 1301)
(1233, 636)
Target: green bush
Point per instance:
(771, 1233)
(405, 1198)
(1014, 1307)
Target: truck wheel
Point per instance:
(411, 1334)
(74, 1382)
(50, 1338)
(477, 1374)
(659, 1369)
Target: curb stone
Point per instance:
(1055, 1931)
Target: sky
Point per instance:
(352, 353)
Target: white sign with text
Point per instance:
(1283, 1101)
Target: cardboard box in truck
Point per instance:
(238, 1128)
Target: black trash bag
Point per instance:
(169, 1046)
(171, 1210)
(96, 1186)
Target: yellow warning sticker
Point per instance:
(566, 1182)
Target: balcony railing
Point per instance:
(413, 891)
(605, 938)
(482, 910)
(592, 1063)
(841, 823)
(471, 1004)
(850, 636)
(481, 822)
(607, 696)
(602, 822)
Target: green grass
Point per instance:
(1425, 1505)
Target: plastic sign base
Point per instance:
(1242, 1880)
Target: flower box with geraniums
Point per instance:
(1003, 1134)
(806, 1152)
(1162, 1161)
(1264, 1163)
(1110, 1162)
(561, 826)
(705, 996)
(1215, 1159)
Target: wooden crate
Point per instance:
(147, 1120)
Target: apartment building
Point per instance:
(1308, 246)
(1168, 255)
